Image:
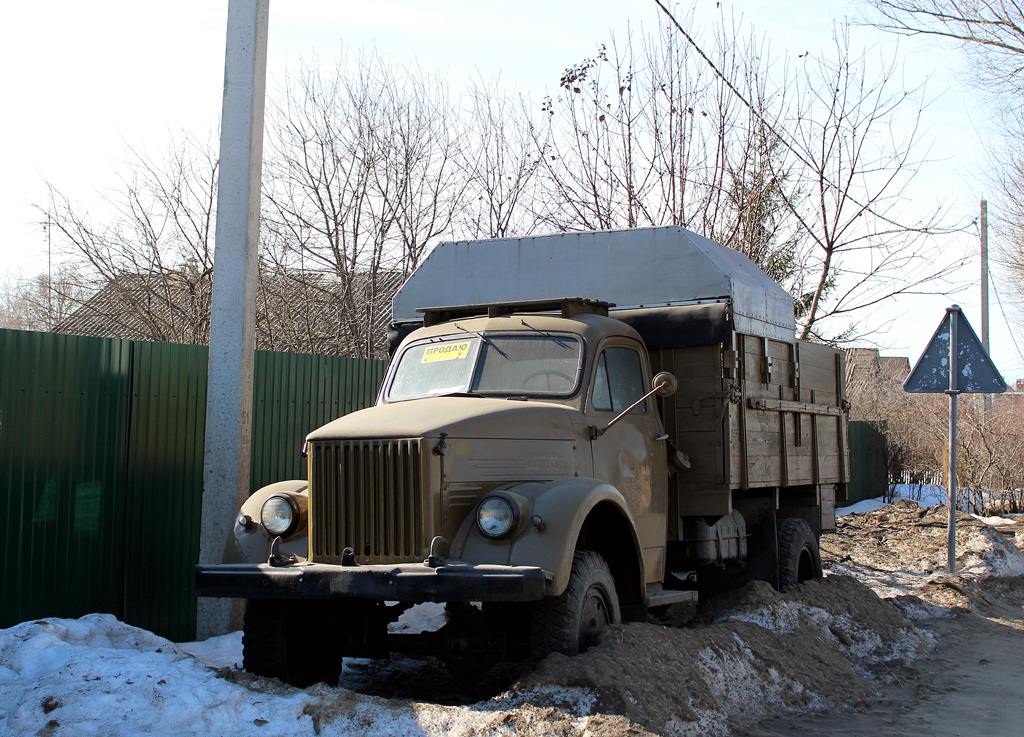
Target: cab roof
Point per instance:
(589, 327)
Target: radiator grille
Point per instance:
(369, 495)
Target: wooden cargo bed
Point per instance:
(756, 413)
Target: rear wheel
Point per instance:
(295, 641)
(572, 622)
(799, 559)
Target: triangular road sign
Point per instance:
(973, 371)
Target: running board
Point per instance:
(658, 596)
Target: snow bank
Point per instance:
(763, 653)
(99, 676)
(925, 495)
(898, 548)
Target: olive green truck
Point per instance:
(574, 429)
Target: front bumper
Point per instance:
(416, 582)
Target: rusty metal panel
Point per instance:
(164, 484)
(63, 433)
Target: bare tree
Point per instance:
(862, 245)
(43, 301)
(990, 33)
(362, 173)
(803, 171)
(364, 170)
(990, 443)
(645, 134)
(154, 260)
(501, 156)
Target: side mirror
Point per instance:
(665, 384)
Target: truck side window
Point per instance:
(619, 381)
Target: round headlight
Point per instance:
(278, 515)
(495, 516)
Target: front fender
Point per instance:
(563, 507)
(252, 545)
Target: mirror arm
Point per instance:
(595, 432)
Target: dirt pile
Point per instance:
(740, 659)
(763, 653)
(898, 548)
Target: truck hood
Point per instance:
(459, 417)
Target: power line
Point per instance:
(819, 171)
(1013, 337)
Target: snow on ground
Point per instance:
(217, 652)
(98, 676)
(926, 495)
(898, 548)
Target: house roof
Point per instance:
(311, 312)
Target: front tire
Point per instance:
(291, 640)
(572, 622)
(799, 559)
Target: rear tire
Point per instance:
(799, 559)
(572, 622)
(294, 641)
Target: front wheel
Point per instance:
(294, 641)
(799, 559)
(571, 623)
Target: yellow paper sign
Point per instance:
(446, 352)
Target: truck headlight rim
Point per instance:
(497, 516)
(279, 515)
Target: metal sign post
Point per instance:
(952, 392)
(954, 362)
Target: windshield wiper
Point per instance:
(560, 341)
(484, 338)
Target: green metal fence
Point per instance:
(101, 454)
(869, 477)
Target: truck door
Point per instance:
(629, 455)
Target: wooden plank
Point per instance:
(745, 366)
(818, 379)
(816, 354)
(783, 405)
(801, 472)
(785, 449)
(705, 467)
(841, 439)
(815, 451)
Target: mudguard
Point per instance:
(562, 507)
(252, 544)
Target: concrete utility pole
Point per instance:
(233, 321)
(987, 400)
(984, 275)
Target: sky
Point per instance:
(84, 82)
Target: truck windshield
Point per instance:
(499, 365)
